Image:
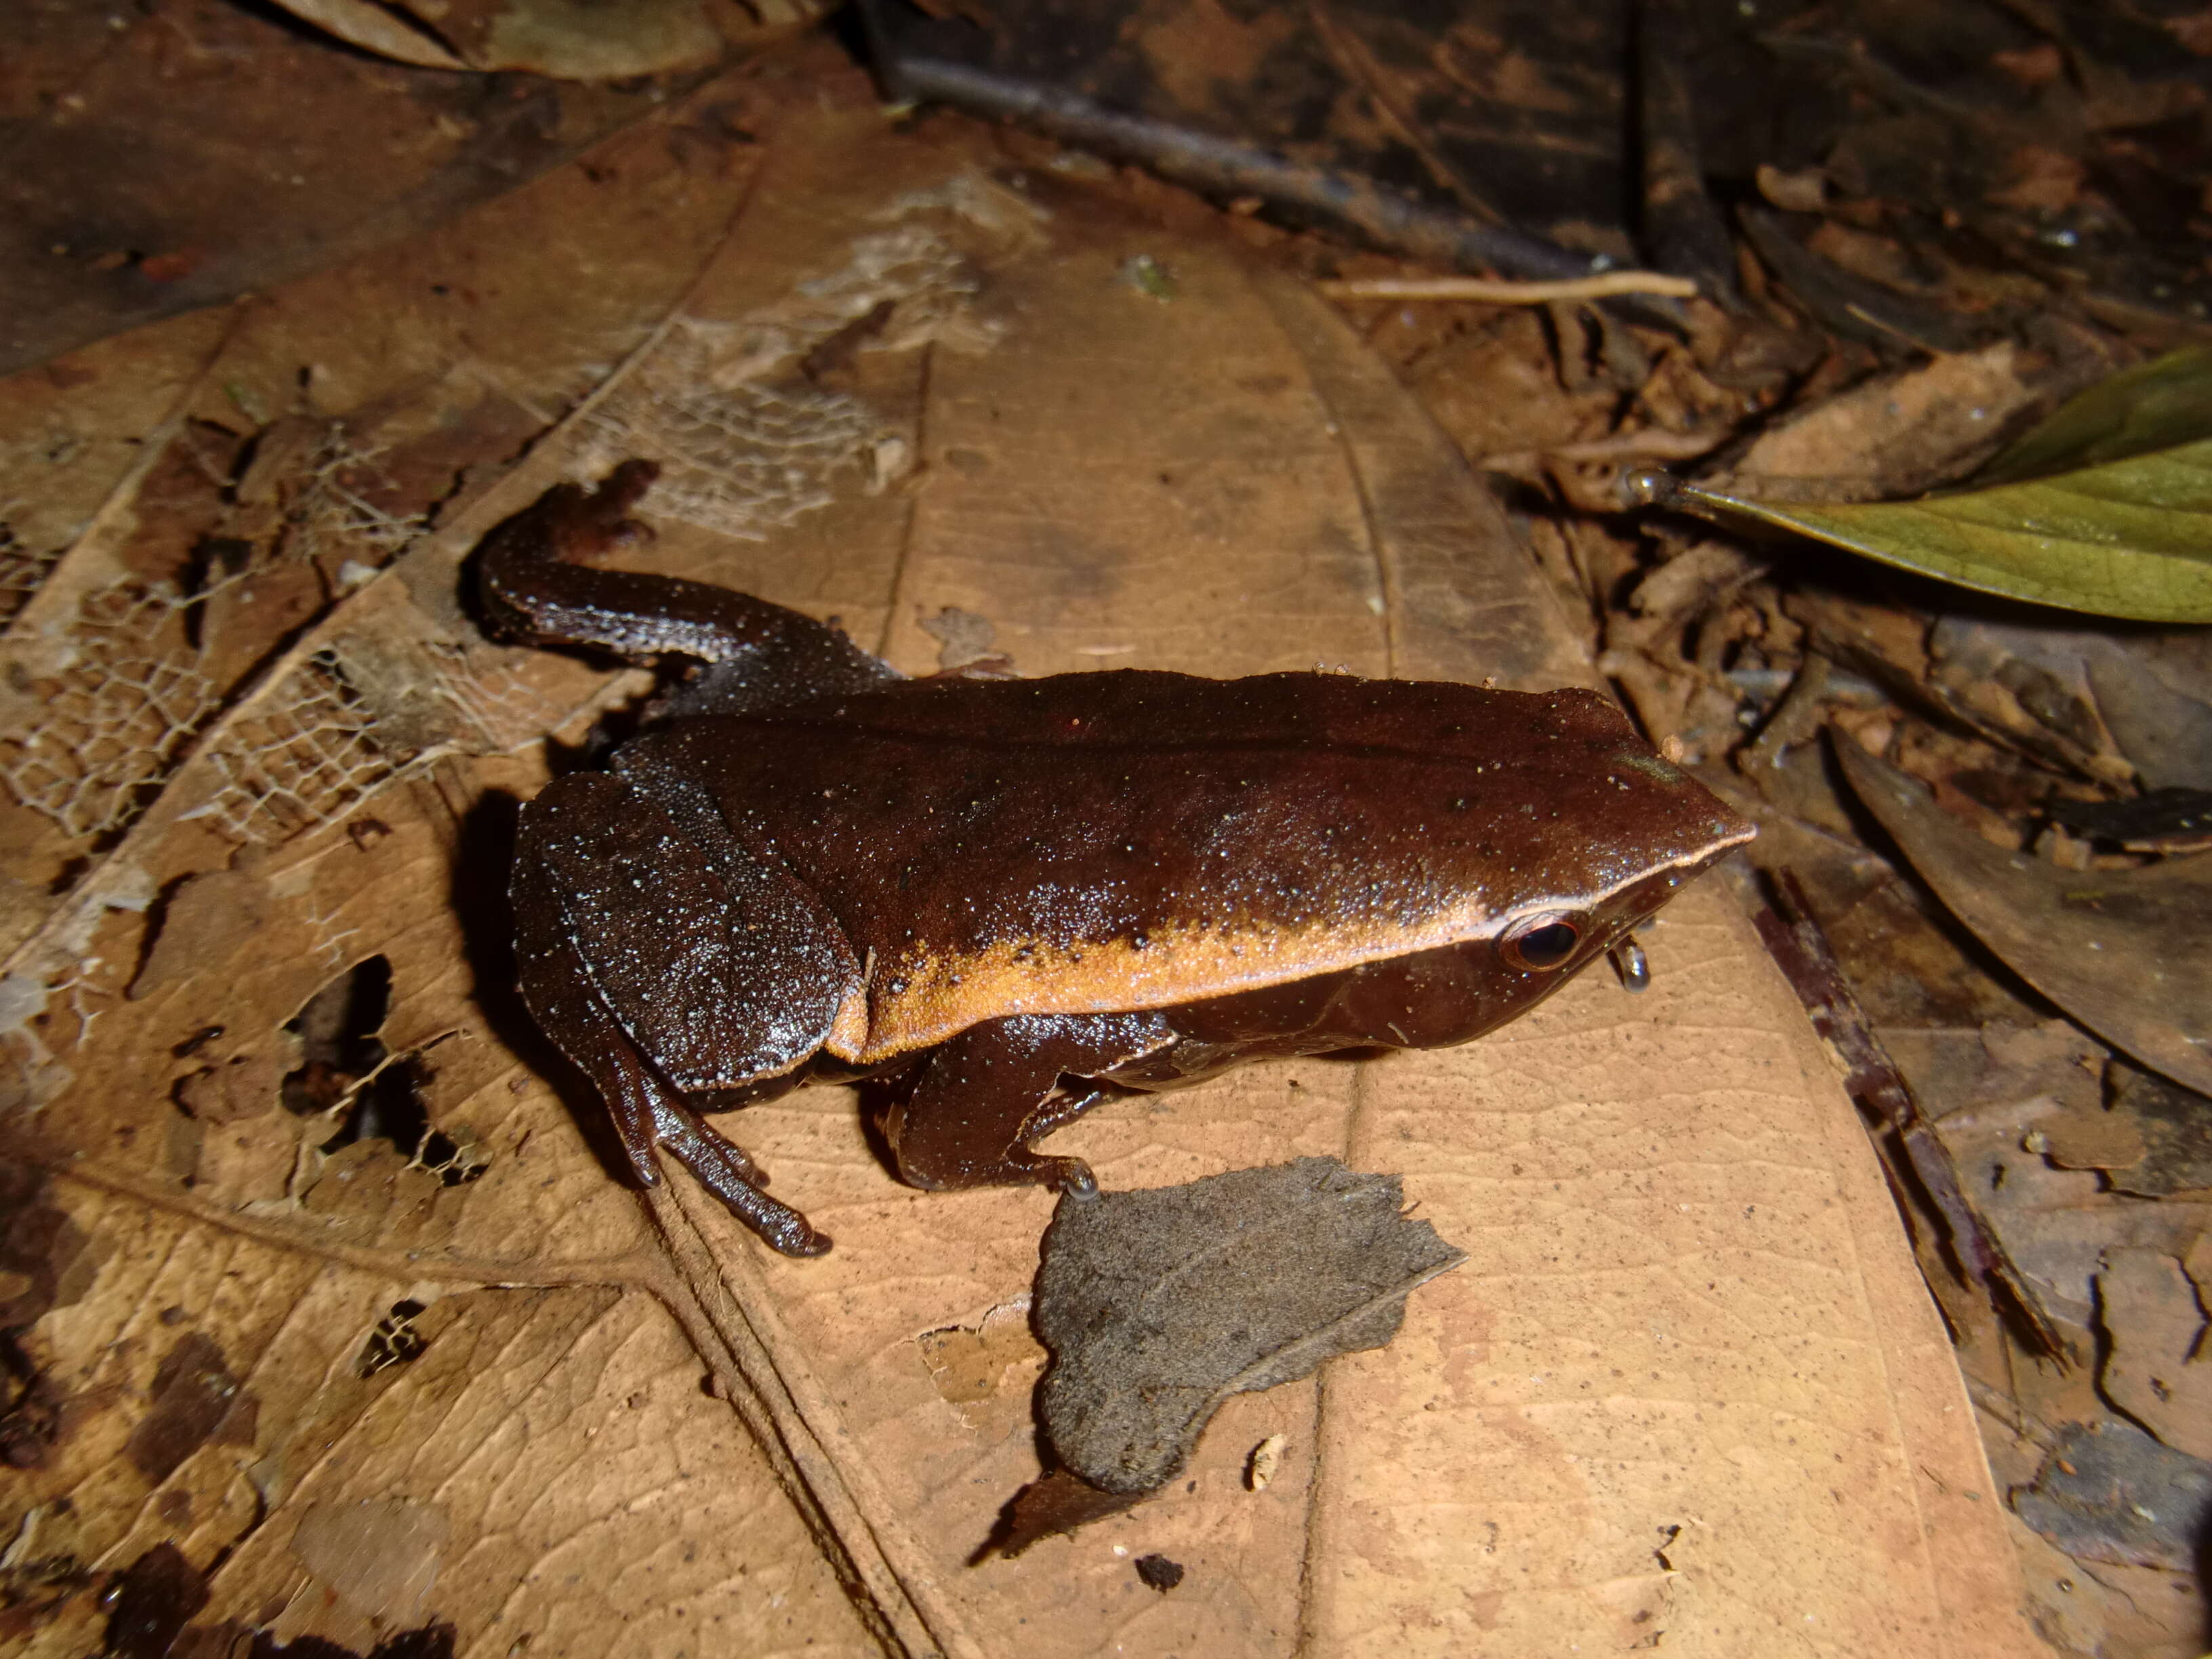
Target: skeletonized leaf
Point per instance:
(2106, 507)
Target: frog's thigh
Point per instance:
(985, 1095)
(565, 998)
(719, 965)
(558, 987)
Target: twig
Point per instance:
(1650, 440)
(1598, 286)
(1357, 65)
(1918, 1161)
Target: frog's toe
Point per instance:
(1074, 1178)
(737, 1180)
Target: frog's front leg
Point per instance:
(985, 1095)
(664, 962)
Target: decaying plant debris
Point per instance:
(1984, 973)
(319, 1317)
(1988, 976)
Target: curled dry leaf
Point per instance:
(1159, 1304)
(2127, 952)
(542, 36)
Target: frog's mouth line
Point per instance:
(940, 995)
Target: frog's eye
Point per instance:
(1541, 943)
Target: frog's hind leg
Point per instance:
(984, 1095)
(533, 586)
(567, 1003)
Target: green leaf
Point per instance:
(2106, 507)
(2162, 404)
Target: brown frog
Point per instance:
(1016, 898)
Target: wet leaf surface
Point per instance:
(2110, 1493)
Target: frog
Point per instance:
(1007, 901)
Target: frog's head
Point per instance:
(1572, 857)
(1642, 828)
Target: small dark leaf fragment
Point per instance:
(153, 1602)
(1158, 1306)
(1159, 1572)
(2162, 821)
(194, 1394)
(1060, 1502)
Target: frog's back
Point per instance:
(1147, 839)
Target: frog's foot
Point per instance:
(985, 1094)
(1023, 1168)
(1071, 1175)
(728, 1173)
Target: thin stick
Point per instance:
(1667, 446)
(1600, 285)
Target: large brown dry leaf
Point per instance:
(163, 160)
(1693, 1393)
(2127, 952)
